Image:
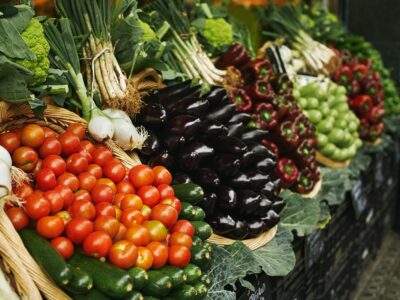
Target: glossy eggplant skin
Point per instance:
(215, 96)
(270, 189)
(180, 178)
(208, 178)
(211, 129)
(152, 115)
(163, 159)
(257, 179)
(151, 145)
(254, 135)
(248, 201)
(278, 205)
(263, 207)
(200, 149)
(184, 125)
(174, 142)
(267, 165)
(209, 202)
(271, 219)
(240, 181)
(235, 129)
(221, 113)
(169, 98)
(222, 223)
(195, 107)
(226, 165)
(229, 144)
(240, 118)
(255, 154)
(241, 230)
(190, 157)
(256, 227)
(227, 198)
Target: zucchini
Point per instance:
(189, 192)
(199, 214)
(92, 295)
(206, 279)
(158, 285)
(51, 262)
(201, 291)
(201, 257)
(80, 283)
(193, 273)
(134, 295)
(197, 242)
(139, 277)
(177, 275)
(108, 279)
(202, 229)
(187, 212)
(186, 292)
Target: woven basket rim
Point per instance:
(327, 162)
(314, 191)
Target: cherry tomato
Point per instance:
(95, 170)
(83, 195)
(160, 254)
(184, 226)
(179, 256)
(149, 194)
(50, 227)
(118, 212)
(68, 180)
(87, 181)
(123, 254)
(78, 129)
(114, 171)
(78, 229)
(63, 246)
(131, 216)
(97, 244)
(102, 193)
(23, 191)
(88, 146)
(164, 213)
(118, 199)
(180, 238)
(141, 175)
(161, 176)
(25, 158)
(10, 141)
(32, 135)
(105, 209)
(158, 232)
(66, 193)
(65, 215)
(121, 232)
(70, 143)
(50, 146)
(101, 156)
(56, 163)
(131, 201)
(18, 132)
(138, 235)
(144, 259)
(125, 187)
(146, 212)
(38, 167)
(49, 133)
(108, 182)
(37, 206)
(166, 191)
(86, 155)
(107, 224)
(46, 179)
(84, 209)
(18, 217)
(56, 201)
(174, 202)
(77, 164)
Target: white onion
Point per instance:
(5, 156)
(5, 180)
(127, 136)
(101, 128)
(116, 114)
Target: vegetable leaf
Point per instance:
(38, 107)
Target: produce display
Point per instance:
(205, 140)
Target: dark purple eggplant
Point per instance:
(207, 178)
(254, 135)
(257, 179)
(199, 149)
(188, 161)
(216, 96)
(263, 207)
(226, 165)
(235, 129)
(209, 202)
(240, 181)
(221, 113)
(152, 115)
(267, 165)
(241, 230)
(227, 198)
(256, 153)
(191, 106)
(174, 142)
(211, 129)
(170, 95)
(229, 144)
(278, 205)
(271, 219)
(180, 178)
(164, 159)
(270, 190)
(256, 227)
(248, 201)
(184, 125)
(241, 118)
(222, 223)
(151, 145)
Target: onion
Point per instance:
(100, 126)
(5, 156)
(116, 113)
(5, 180)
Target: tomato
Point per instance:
(88, 146)
(87, 181)
(146, 212)
(138, 234)
(65, 215)
(123, 254)
(160, 254)
(184, 226)
(97, 244)
(78, 129)
(166, 191)
(18, 217)
(101, 156)
(105, 209)
(66, 193)
(38, 167)
(68, 180)
(83, 195)
(108, 182)
(49, 133)
(50, 227)
(131, 216)
(131, 201)
(37, 206)
(23, 191)
(144, 259)
(107, 224)
(114, 171)
(149, 194)
(141, 175)
(50, 146)
(56, 163)
(118, 199)
(10, 141)
(63, 246)
(174, 202)
(95, 170)
(56, 201)
(46, 179)
(161, 176)
(180, 238)
(78, 229)
(77, 164)
(18, 132)
(164, 213)
(84, 209)
(118, 212)
(125, 187)
(102, 193)
(25, 158)
(121, 232)
(32, 135)
(179, 256)
(70, 143)
(158, 232)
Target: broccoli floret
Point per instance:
(218, 32)
(34, 38)
(148, 34)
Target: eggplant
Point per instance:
(256, 227)
(254, 135)
(226, 165)
(278, 205)
(174, 142)
(227, 198)
(180, 178)
(235, 129)
(170, 97)
(209, 202)
(248, 201)
(222, 223)
(267, 165)
(241, 118)
(199, 149)
(164, 159)
(151, 145)
(188, 161)
(257, 179)
(240, 181)
(184, 125)
(191, 106)
(271, 219)
(270, 189)
(263, 207)
(207, 178)
(211, 129)
(241, 230)
(221, 113)
(229, 144)
(215, 96)
(152, 115)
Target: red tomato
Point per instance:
(65, 215)
(38, 167)
(141, 175)
(87, 181)
(56, 201)
(138, 235)
(146, 212)
(50, 227)
(66, 193)
(149, 194)
(78, 229)
(114, 171)
(97, 244)
(125, 187)
(32, 135)
(131, 216)
(164, 213)
(25, 158)
(118, 199)
(69, 180)
(37, 206)
(10, 141)
(56, 163)
(118, 212)
(144, 259)
(131, 201)
(121, 232)
(184, 226)
(18, 217)
(166, 191)
(78, 129)
(123, 254)
(49, 133)
(63, 246)
(23, 191)
(46, 179)
(158, 232)
(84, 209)
(70, 143)
(18, 132)
(161, 176)
(77, 164)
(86, 155)
(88, 146)
(108, 182)
(179, 256)
(102, 193)
(50, 146)
(174, 202)
(107, 224)
(101, 156)
(83, 195)
(95, 170)
(160, 254)
(180, 238)
(105, 209)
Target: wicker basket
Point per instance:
(327, 162)
(314, 191)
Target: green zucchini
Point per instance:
(197, 242)
(202, 229)
(189, 192)
(108, 279)
(206, 279)
(139, 277)
(186, 292)
(80, 283)
(51, 262)
(199, 214)
(201, 257)
(188, 211)
(134, 295)
(92, 295)
(177, 275)
(201, 291)
(158, 285)
(193, 273)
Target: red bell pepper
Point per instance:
(305, 183)
(360, 71)
(353, 88)
(344, 75)
(271, 147)
(361, 105)
(257, 69)
(236, 56)
(282, 105)
(366, 62)
(305, 153)
(376, 114)
(260, 91)
(242, 100)
(287, 172)
(286, 135)
(364, 129)
(376, 131)
(376, 76)
(305, 128)
(265, 115)
(282, 84)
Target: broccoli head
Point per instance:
(34, 38)
(148, 34)
(218, 32)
